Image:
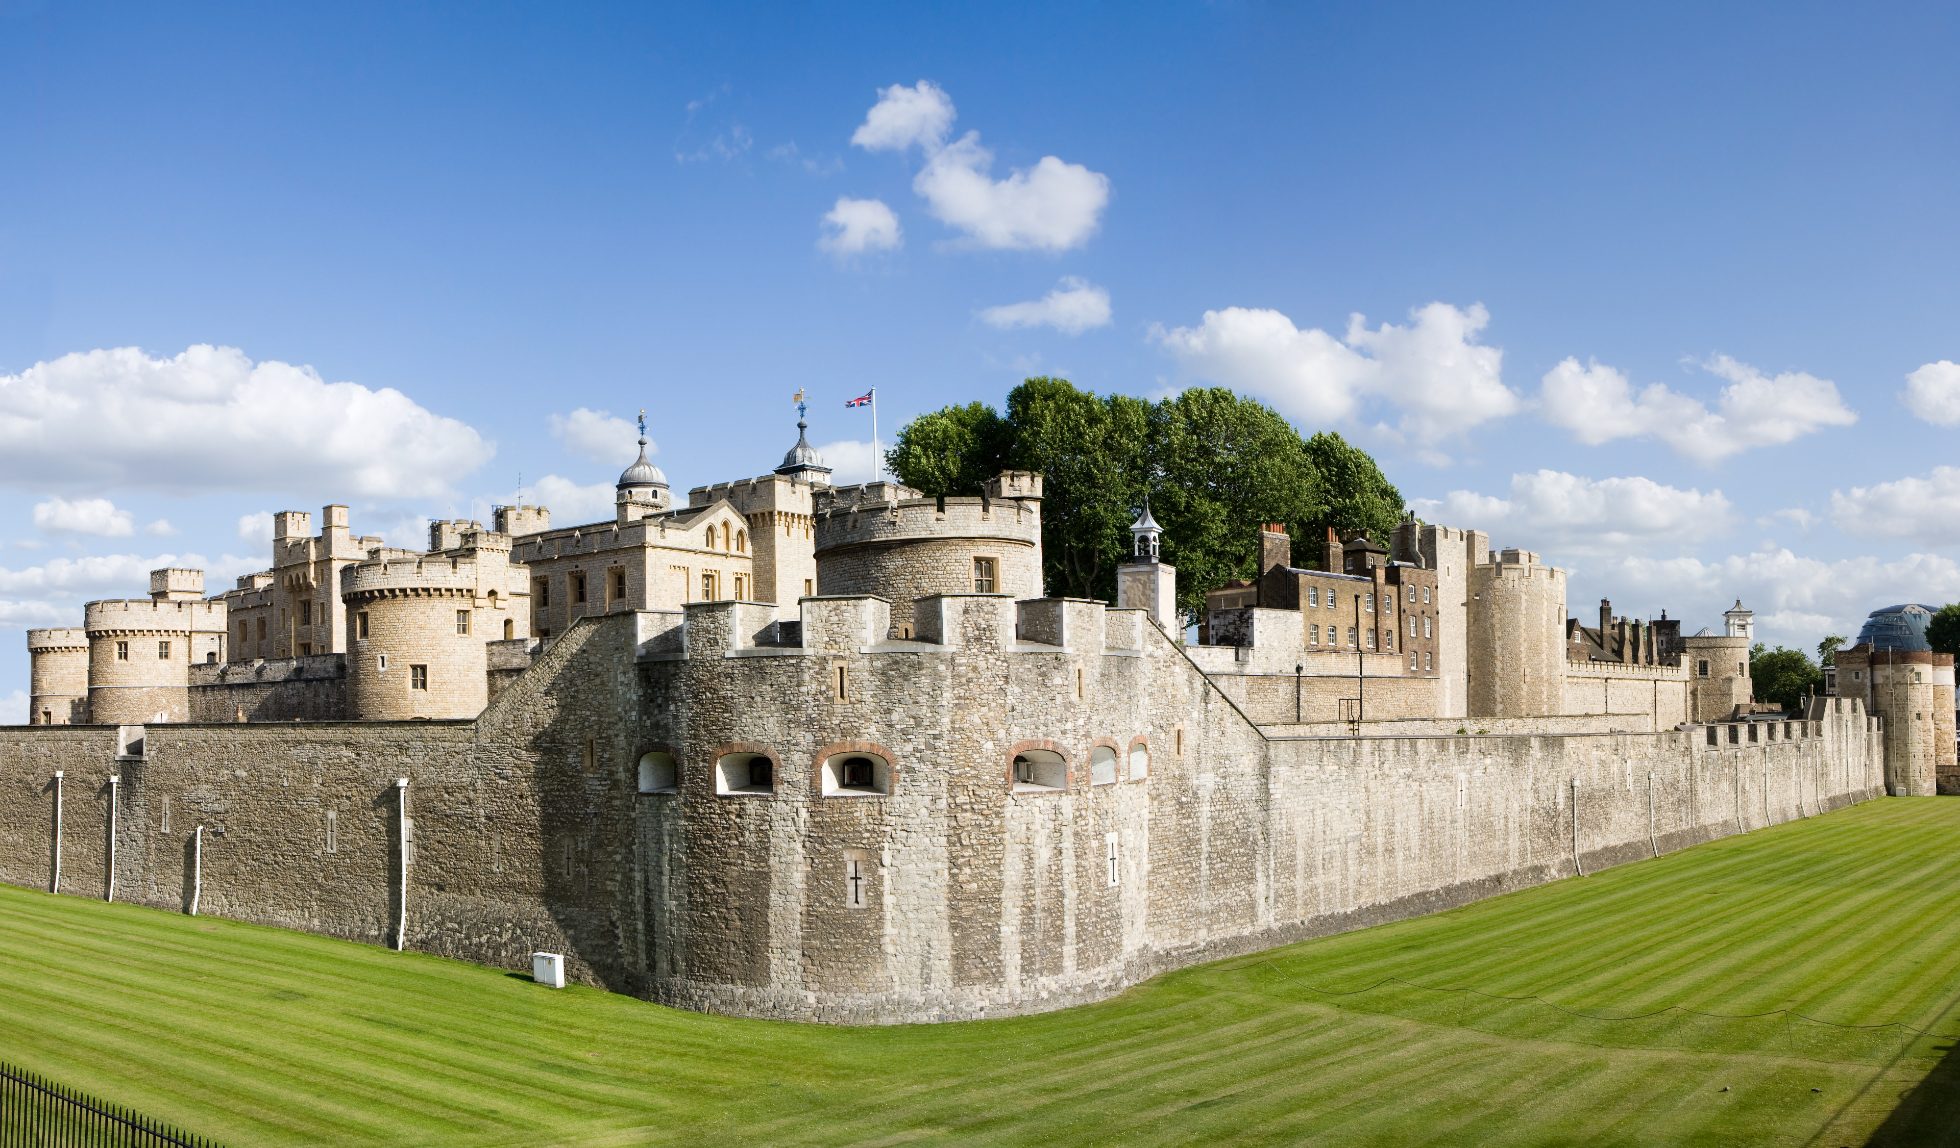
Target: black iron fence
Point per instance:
(38, 1113)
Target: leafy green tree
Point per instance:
(1214, 464)
(1225, 465)
(1943, 632)
(950, 451)
(1828, 648)
(1356, 497)
(1783, 676)
(1093, 455)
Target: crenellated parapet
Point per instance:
(890, 540)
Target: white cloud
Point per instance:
(1052, 206)
(571, 503)
(256, 527)
(1561, 514)
(212, 419)
(1598, 404)
(1797, 599)
(117, 575)
(1796, 516)
(161, 528)
(96, 516)
(598, 435)
(13, 708)
(1073, 307)
(903, 117)
(850, 460)
(1442, 380)
(855, 226)
(1933, 393)
(818, 165)
(1926, 509)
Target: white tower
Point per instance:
(1741, 622)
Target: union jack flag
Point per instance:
(863, 400)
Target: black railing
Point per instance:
(38, 1113)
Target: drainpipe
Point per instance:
(54, 882)
(401, 869)
(115, 790)
(197, 868)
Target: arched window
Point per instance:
(1102, 766)
(856, 774)
(745, 773)
(510, 628)
(1139, 762)
(742, 541)
(658, 773)
(1039, 771)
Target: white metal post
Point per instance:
(197, 868)
(401, 868)
(1653, 839)
(54, 882)
(115, 789)
(1576, 866)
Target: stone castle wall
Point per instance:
(954, 894)
(293, 689)
(1657, 694)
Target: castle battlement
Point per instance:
(422, 577)
(1660, 672)
(876, 519)
(57, 638)
(148, 616)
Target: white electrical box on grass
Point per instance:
(548, 969)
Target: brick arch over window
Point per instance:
(1054, 747)
(838, 748)
(1116, 750)
(755, 747)
(657, 747)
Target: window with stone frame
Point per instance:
(463, 622)
(510, 629)
(361, 625)
(616, 578)
(306, 611)
(1313, 634)
(577, 578)
(1701, 668)
(418, 677)
(1351, 637)
(1428, 660)
(1038, 770)
(541, 592)
(122, 651)
(710, 585)
(986, 575)
(163, 651)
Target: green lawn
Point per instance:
(1491, 1024)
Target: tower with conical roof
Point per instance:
(1146, 582)
(642, 488)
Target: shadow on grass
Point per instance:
(1930, 1113)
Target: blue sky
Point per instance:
(1642, 290)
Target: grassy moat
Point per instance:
(1764, 980)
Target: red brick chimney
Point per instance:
(1335, 561)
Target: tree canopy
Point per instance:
(1828, 648)
(1783, 676)
(1214, 464)
(1943, 632)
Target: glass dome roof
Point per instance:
(1901, 627)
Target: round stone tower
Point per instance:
(140, 654)
(418, 628)
(1903, 680)
(1516, 637)
(890, 540)
(58, 676)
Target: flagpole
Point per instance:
(877, 457)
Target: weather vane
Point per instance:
(802, 408)
(643, 422)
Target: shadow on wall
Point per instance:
(1930, 1113)
(585, 787)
